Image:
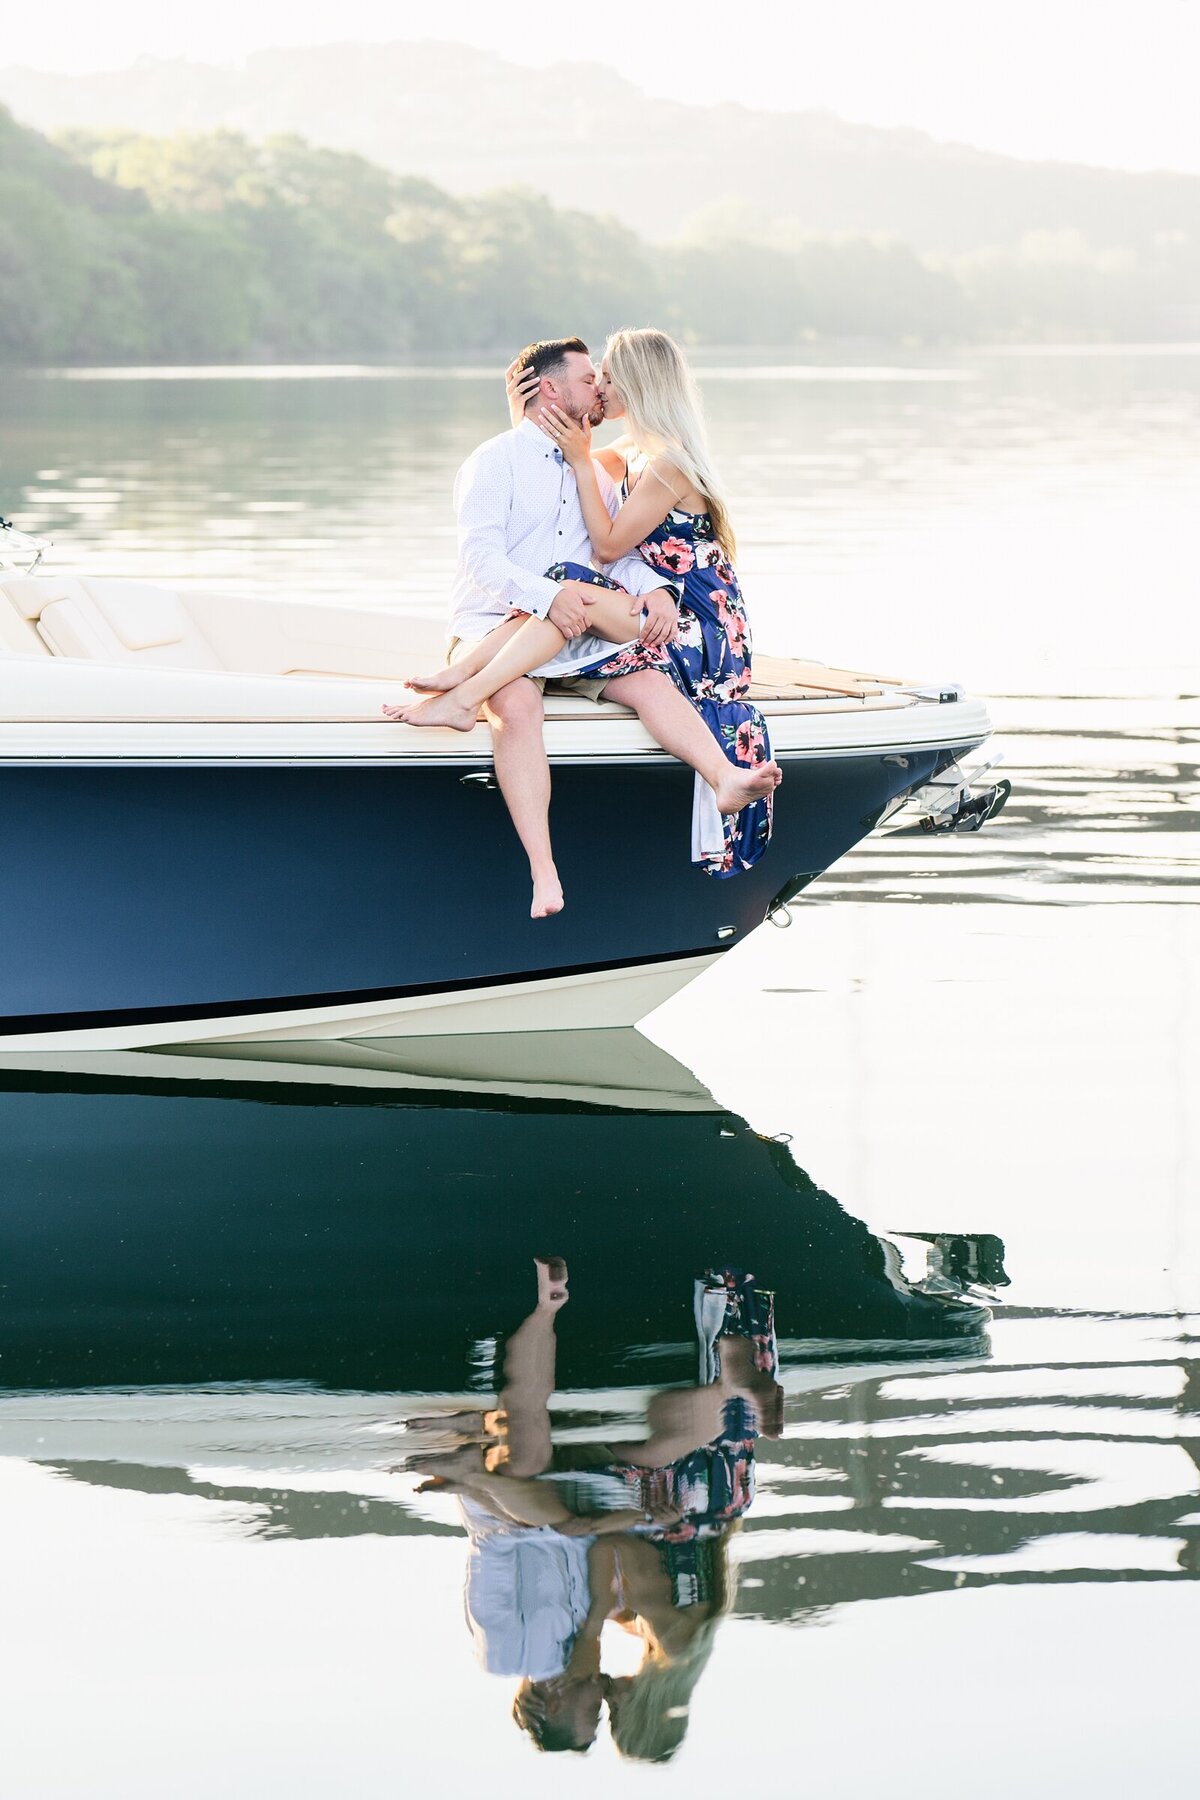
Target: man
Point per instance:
(518, 515)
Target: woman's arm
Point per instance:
(646, 507)
(613, 461)
(519, 390)
(585, 1651)
(603, 1524)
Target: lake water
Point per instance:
(967, 1078)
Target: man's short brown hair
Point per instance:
(549, 356)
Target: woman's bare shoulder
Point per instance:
(672, 477)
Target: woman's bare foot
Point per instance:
(756, 1387)
(437, 1484)
(442, 681)
(551, 1281)
(442, 709)
(459, 1464)
(547, 895)
(741, 786)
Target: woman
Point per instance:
(694, 1475)
(675, 513)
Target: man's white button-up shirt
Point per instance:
(518, 514)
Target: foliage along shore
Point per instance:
(118, 248)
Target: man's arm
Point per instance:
(483, 495)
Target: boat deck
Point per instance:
(103, 669)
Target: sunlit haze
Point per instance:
(1086, 80)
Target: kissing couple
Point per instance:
(610, 574)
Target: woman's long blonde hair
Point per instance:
(666, 414)
(653, 1718)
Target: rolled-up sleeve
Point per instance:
(483, 496)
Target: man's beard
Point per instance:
(595, 413)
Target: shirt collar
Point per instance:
(529, 433)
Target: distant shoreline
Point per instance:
(750, 362)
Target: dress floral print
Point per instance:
(711, 1487)
(632, 657)
(711, 663)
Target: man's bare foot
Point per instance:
(547, 896)
(741, 786)
(442, 681)
(443, 709)
(551, 1281)
(471, 1424)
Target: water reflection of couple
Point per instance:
(659, 626)
(565, 1538)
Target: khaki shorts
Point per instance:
(588, 687)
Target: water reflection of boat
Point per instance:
(219, 838)
(364, 1222)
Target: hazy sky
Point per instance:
(1105, 81)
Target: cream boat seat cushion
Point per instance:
(135, 623)
(120, 622)
(128, 622)
(18, 635)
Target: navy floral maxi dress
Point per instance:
(710, 660)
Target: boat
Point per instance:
(212, 834)
(362, 1216)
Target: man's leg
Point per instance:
(674, 722)
(529, 1360)
(523, 771)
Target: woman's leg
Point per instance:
(676, 724)
(523, 1500)
(534, 642)
(613, 615)
(469, 663)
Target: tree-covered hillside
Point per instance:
(117, 247)
(469, 119)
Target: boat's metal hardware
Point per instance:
(778, 910)
(973, 811)
(954, 800)
(940, 696)
(16, 545)
(726, 931)
(483, 779)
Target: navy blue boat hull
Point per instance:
(162, 1232)
(138, 893)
